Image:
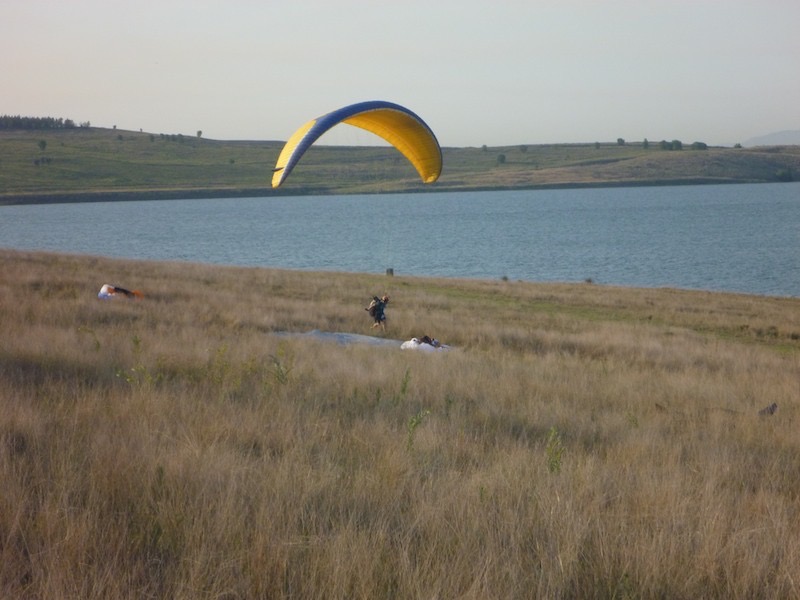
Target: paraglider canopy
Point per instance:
(397, 125)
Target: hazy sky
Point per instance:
(478, 72)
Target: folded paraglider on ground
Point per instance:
(425, 344)
(108, 292)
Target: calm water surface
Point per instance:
(742, 238)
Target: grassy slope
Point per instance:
(104, 161)
(581, 441)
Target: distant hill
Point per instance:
(86, 163)
(780, 138)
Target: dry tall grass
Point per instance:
(580, 442)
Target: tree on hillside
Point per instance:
(42, 160)
(673, 145)
(28, 123)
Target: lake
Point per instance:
(738, 238)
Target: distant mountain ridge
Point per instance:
(780, 138)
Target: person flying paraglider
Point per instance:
(377, 310)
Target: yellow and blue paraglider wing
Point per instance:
(397, 125)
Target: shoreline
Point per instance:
(265, 192)
(33, 253)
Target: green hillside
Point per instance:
(63, 164)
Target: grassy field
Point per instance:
(579, 441)
(83, 163)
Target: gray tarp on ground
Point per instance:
(344, 339)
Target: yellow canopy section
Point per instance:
(404, 132)
(279, 173)
(397, 125)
